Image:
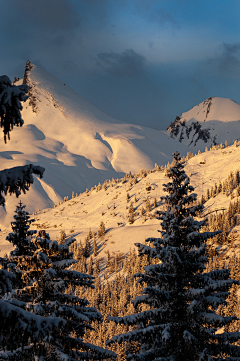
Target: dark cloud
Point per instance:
(47, 30)
(163, 17)
(153, 11)
(127, 63)
(54, 15)
(225, 65)
(229, 61)
(98, 11)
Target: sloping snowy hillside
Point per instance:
(213, 121)
(78, 145)
(110, 203)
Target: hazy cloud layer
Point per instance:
(127, 63)
(229, 62)
(49, 15)
(154, 11)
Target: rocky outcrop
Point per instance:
(33, 98)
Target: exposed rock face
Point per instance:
(194, 131)
(33, 98)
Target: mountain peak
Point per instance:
(211, 122)
(28, 67)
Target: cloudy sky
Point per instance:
(140, 61)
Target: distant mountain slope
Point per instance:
(211, 122)
(78, 145)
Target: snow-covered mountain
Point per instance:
(77, 144)
(211, 122)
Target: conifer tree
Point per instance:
(96, 269)
(102, 230)
(131, 213)
(115, 265)
(90, 234)
(108, 259)
(95, 247)
(148, 205)
(11, 97)
(142, 211)
(15, 316)
(21, 235)
(155, 202)
(232, 309)
(181, 321)
(131, 208)
(47, 277)
(63, 237)
(87, 247)
(79, 251)
(90, 266)
(16, 179)
(208, 195)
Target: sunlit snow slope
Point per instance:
(211, 122)
(111, 205)
(78, 145)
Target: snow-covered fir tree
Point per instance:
(10, 104)
(47, 276)
(21, 235)
(232, 309)
(17, 179)
(20, 330)
(180, 319)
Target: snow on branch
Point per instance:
(20, 354)
(160, 313)
(17, 179)
(11, 97)
(33, 326)
(137, 334)
(6, 279)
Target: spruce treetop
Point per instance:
(21, 235)
(179, 320)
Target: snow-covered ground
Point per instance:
(77, 144)
(77, 215)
